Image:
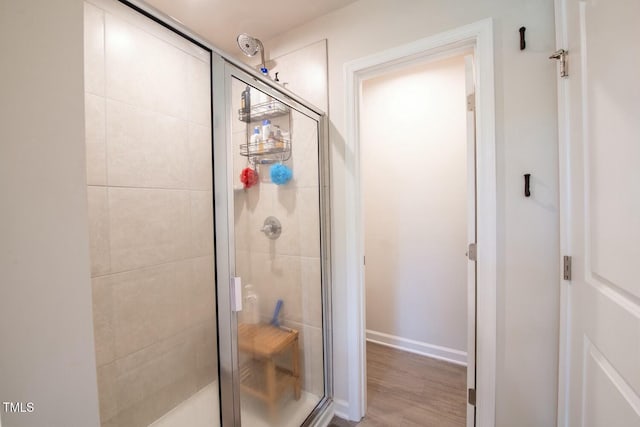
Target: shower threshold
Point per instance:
(202, 409)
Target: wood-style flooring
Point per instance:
(405, 389)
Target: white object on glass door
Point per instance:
(236, 291)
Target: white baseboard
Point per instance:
(458, 357)
(341, 408)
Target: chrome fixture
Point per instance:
(272, 227)
(250, 46)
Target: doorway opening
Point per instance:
(475, 39)
(418, 197)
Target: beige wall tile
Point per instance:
(99, 232)
(146, 149)
(243, 266)
(241, 220)
(143, 70)
(93, 49)
(154, 406)
(137, 301)
(148, 226)
(199, 152)
(239, 162)
(298, 212)
(150, 141)
(200, 291)
(103, 320)
(311, 290)
(174, 304)
(277, 277)
(107, 392)
(309, 221)
(265, 176)
(287, 209)
(153, 351)
(149, 305)
(201, 222)
(314, 360)
(199, 86)
(260, 205)
(206, 353)
(95, 135)
(162, 372)
(304, 151)
(113, 422)
(94, 111)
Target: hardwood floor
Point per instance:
(405, 389)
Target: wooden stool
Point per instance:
(267, 382)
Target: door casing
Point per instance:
(479, 37)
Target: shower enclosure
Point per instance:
(209, 244)
(277, 246)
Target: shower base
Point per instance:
(202, 409)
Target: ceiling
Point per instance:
(220, 21)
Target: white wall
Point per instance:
(414, 174)
(46, 334)
(528, 250)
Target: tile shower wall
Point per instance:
(287, 268)
(148, 145)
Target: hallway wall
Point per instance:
(526, 142)
(414, 176)
(46, 335)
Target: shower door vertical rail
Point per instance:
(224, 75)
(227, 357)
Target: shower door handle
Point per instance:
(236, 294)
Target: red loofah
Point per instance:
(248, 177)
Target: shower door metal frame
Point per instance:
(224, 71)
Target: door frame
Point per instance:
(479, 37)
(564, 200)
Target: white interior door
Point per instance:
(470, 89)
(600, 166)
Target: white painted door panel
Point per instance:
(602, 199)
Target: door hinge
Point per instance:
(364, 260)
(472, 396)
(566, 267)
(471, 102)
(473, 252)
(561, 55)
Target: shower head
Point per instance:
(250, 46)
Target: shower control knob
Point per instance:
(271, 228)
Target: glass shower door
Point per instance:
(277, 256)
